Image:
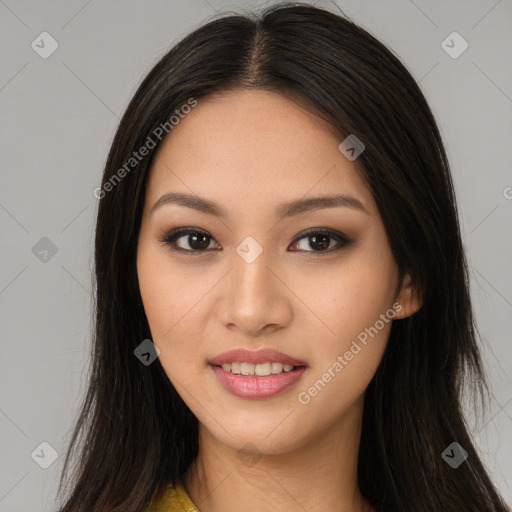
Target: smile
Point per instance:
(257, 386)
(261, 370)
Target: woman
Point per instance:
(283, 313)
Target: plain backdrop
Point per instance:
(58, 117)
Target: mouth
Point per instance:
(251, 362)
(259, 370)
(256, 375)
(252, 386)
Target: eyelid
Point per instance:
(322, 230)
(169, 238)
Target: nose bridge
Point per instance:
(252, 287)
(255, 297)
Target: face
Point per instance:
(251, 272)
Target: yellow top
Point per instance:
(172, 499)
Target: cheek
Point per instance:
(348, 297)
(350, 303)
(348, 300)
(169, 298)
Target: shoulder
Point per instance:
(172, 498)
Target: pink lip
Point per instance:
(251, 386)
(266, 355)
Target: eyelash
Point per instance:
(171, 237)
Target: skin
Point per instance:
(250, 151)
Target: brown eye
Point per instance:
(316, 240)
(320, 240)
(189, 240)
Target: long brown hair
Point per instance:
(134, 431)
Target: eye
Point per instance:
(319, 239)
(197, 239)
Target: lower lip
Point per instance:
(251, 386)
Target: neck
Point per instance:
(316, 475)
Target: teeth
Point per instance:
(277, 367)
(246, 369)
(262, 370)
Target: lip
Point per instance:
(253, 387)
(266, 355)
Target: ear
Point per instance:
(408, 297)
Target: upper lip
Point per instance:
(242, 355)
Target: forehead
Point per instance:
(253, 147)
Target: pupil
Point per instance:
(323, 241)
(199, 241)
(193, 241)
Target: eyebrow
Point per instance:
(289, 209)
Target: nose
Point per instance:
(256, 299)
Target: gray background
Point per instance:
(58, 119)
